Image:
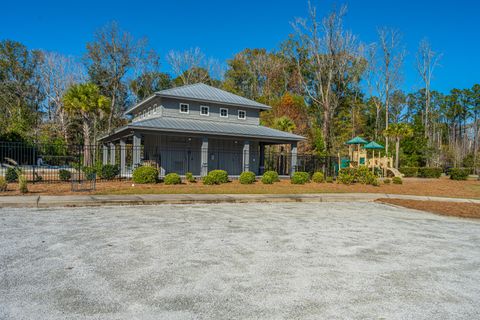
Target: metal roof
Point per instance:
(357, 140)
(206, 93)
(211, 128)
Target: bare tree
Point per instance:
(58, 73)
(327, 55)
(391, 57)
(427, 61)
(110, 57)
(192, 66)
(374, 84)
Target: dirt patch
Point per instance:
(457, 209)
(411, 186)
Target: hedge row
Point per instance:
(422, 172)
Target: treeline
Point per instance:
(322, 83)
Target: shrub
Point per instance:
(375, 183)
(22, 183)
(145, 174)
(429, 172)
(3, 184)
(299, 177)
(365, 175)
(189, 177)
(270, 177)
(397, 180)
(216, 177)
(90, 173)
(459, 173)
(346, 176)
(387, 181)
(12, 174)
(409, 171)
(273, 174)
(172, 178)
(109, 171)
(318, 177)
(64, 175)
(37, 177)
(247, 177)
(329, 180)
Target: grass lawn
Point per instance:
(414, 186)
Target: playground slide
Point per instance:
(394, 172)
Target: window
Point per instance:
(154, 109)
(242, 114)
(204, 110)
(224, 112)
(184, 108)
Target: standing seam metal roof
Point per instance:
(210, 127)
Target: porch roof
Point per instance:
(189, 126)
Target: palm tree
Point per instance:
(398, 131)
(85, 99)
(284, 124)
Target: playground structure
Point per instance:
(360, 157)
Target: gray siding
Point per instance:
(171, 108)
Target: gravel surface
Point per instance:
(238, 261)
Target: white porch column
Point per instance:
(246, 156)
(204, 157)
(137, 145)
(294, 157)
(104, 154)
(123, 156)
(112, 153)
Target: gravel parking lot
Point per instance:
(238, 261)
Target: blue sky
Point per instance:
(222, 28)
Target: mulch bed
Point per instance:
(456, 209)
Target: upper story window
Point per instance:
(224, 112)
(184, 108)
(204, 110)
(242, 114)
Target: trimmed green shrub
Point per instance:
(145, 174)
(300, 177)
(387, 181)
(3, 184)
(329, 180)
(409, 171)
(247, 177)
(12, 174)
(273, 174)
(270, 177)
(364, 175)
(375, 183)
(189, 177)
(109, 171)
(459, 173)
(64, 175)
(429, 172)
(318, 177)
(22, 183)
(216, 177)
(172, 178)
(397, 180)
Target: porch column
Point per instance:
(112, 153)
(137, 144)
(104, 154)
(294, 157)
(261, 160)
(123, 156)
(246, 156)
(204, 157)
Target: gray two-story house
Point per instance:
(195, 128)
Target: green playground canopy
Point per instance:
(357, 140)
(373, 145)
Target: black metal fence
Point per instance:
(77, 163)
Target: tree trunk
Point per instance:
(326, 128)
(397, 151)
(86, 144)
